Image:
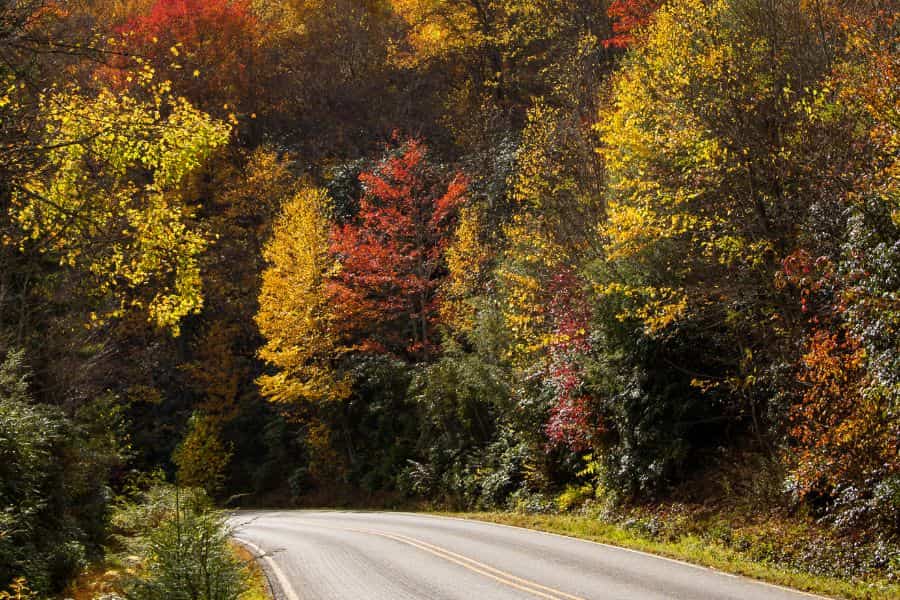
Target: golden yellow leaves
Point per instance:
(435, 29)
(202, 456)
(531, 256)
(670, 208)
(540, 176)
(110, 200)
(657, 307)
(294, 314)
(467, 259)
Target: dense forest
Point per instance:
(525, 255)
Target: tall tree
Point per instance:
(295, 315)
(392, 255)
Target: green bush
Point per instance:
(180, 543)
(459, 403)
(53, 474)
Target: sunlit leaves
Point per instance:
(694, 183)
(295, 315)
(392, 254)
(530, 259)
(845, 429)
(437, 28)
(109, 199)
(468, 259)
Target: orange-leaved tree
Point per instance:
(207, 48)
(628, 16)
(392, 254)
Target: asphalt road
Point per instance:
(325, 555)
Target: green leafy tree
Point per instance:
(53, 472)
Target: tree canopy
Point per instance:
(602, 255)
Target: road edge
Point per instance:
(279, 586)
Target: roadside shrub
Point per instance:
(530, 503)
(190, 560)
(504, 471)
(574, 496)
(180, 543)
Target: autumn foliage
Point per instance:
(841, 416)
(572, 421)
(632, 253)
(207, 48)
(627, 17)
(391, 255)
(295, 314)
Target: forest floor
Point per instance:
(783, 552)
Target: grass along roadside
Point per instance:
(257, 586)
(693, 549)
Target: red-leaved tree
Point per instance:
(392, 255)
(207, 48)
(628, 16)
(572, 421)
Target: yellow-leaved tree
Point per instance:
(438, 29)
(553, 230)
(468, 258)
(110, 197)
(294, 314)
(748, 155)
(531, 257)
(704, 150)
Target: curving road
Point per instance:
(330, 555)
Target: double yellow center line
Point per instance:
(507, 579)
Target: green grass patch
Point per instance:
(696, 549)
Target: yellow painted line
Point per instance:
(479, 567)
(470, 564)
(566, 536)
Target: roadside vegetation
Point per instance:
(170, 542)
(634, 258)
(783, 551)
